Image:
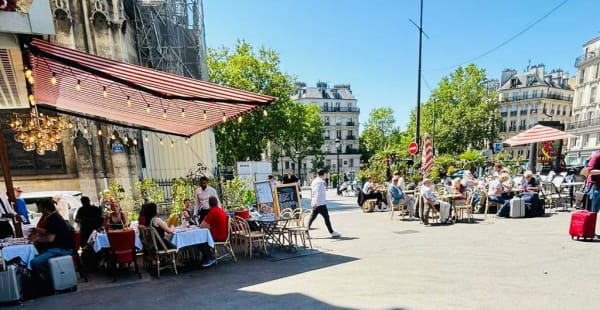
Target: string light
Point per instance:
(182, 113)
(70, 125)
(31, 99)
(265, 113)
(148, 108)
(28, 73)
(113, 137)
(30, 80)
(164, 113)
(53, 79)
(128, 101)
(161, 141)
(187, 141)
(104, 92)
(134, 141)
(85, 130)
(126, 139)
(204, 115)
(172, 144)
(146, 138)
(99, 132)
(224, 118)
(239, 119)
(78, 85)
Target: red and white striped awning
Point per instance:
(122, 93)
(538, 133)
(426, 155)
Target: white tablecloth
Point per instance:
(25, 251)
(191, 236)
(100, 241)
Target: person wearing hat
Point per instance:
(20, 205)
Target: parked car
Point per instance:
(71, 198)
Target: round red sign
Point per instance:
(413, 148)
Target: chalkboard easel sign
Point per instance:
(286, 196)
(264, 197)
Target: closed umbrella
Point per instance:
(426, 155)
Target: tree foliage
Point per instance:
(464, 113)
(378, 130)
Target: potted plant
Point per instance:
(237, 196)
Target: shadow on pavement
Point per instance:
(216, 287)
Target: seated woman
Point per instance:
(459, 189)
(533, 204)
(370, 192)
(531, 183)
(187, 213)
(151, 219)
(116, 219)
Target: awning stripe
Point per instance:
(538, 133)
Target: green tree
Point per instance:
(378, 130)
(259, 72)
(460, 113)
(319, 163)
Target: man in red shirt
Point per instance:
(216, 222)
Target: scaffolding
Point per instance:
(170, 36)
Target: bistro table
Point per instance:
(99, 241)
(274, 230)
(18, 247)
(571, 186)
(451, 198)
(186, 236)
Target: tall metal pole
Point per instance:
(418, 122)
(338, 168)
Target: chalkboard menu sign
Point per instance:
(286, 196)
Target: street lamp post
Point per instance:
(299, 166)
(338, 149)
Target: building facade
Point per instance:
(94, 154)
(339, 112)
(585, 123)
(530, 97)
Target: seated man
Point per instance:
(431, 201)
(369, 192)
(216, 222)
(58, 237)
(398, 196)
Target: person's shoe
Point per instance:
(412, 218)
(209, 262)
(336, 234)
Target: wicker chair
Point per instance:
(225, 244)
(240, 231)
(156, 252)
(300, 228)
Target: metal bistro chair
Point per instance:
(225, 244)
(402, 206)
(300, 228)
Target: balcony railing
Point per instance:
(584, 123)
(326, 123)
(590, 55)
(339, 109)
(512, 128)
(513, 113)
(546, 96)
(351, 151)
(350, 137)
(523, 112)
(504, 114)
(350, 124)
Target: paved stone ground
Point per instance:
(381, 264)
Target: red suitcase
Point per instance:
(583, 224)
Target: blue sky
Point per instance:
(373, 46)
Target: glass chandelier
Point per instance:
(37, 131)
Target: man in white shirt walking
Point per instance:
(318, 202)
(204, 192)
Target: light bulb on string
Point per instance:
(204, 115)
(125, 139)
(31, 99)
(134, 141)
(164, 114)
(104, 92)
(148, 108)
(172, 144)
(53, 79)
(146, 138)
(224, 118)
(99, 132)
(161, 141)
(28, 73)
(265, 113)
(113, 137)
(70, 125)
(128, 101)
(187, 141)
(240, 119)
(78, 85)
(30, 80)
(85, 130)
(182, 113)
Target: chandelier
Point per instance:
(37, 131)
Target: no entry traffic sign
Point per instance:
(413, 148)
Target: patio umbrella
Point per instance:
(538, 133)
(426, 155)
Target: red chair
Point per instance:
(75, 256)
(122, 250)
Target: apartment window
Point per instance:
(287, 164)
(326, 121)
(327, 134)
(350, 133)
(573, 142)
(534, 94)
(513, 110)
(597, 138)
(585, 140)
(582, 76)
(349, 106)
(593, 94)
(525, 95)
(327, 149)
(513, 126)
(351, 163)
(597, 68)
(523, 109)
(325, 106)
(338, 134)
(328, 162)
(515, 95)
(504, 112)
(532, 122)
(522, 124)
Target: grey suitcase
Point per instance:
(62, 272)
(517, 207)
(10, 285)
